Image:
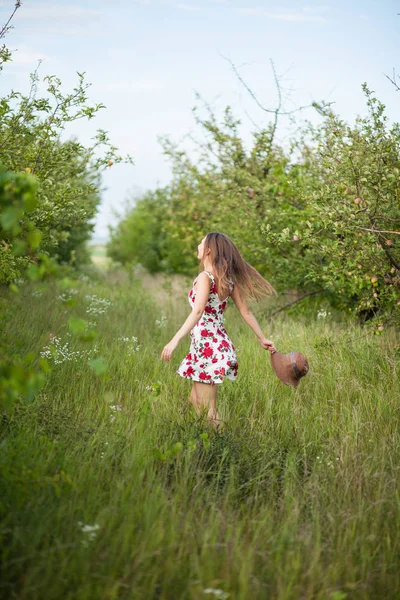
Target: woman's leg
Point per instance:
(206, 399)
(193, 401)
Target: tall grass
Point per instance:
(298, 498)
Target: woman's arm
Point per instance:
(248, 316)
(202, 292)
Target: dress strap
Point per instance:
(231, 284)
(208, 273)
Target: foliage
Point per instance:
(139, 237)
(49, 193)
(321, 217)
(21, 239)
(68, 173)
(351, 248)
(19, 376)
(102, 474)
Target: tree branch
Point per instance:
(6, 27)
(393, 80)
(295, 302)
(377, 230)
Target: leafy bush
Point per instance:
(320, 217)
(139, 237)
(68, 173)
(351, 247)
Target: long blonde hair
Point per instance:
(228, 264)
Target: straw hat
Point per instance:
(290, 368)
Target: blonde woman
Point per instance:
(223, 274)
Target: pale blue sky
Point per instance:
(146, 58)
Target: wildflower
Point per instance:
(90, 532)
(67, 295)
(97, 306)
(59, 352)
(322, 314)
(116, 407)
(131, 344)
(162, 322)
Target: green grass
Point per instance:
(99, 256)
(298, 498)
(98, 250)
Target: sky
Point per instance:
(146, 60)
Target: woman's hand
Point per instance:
(268, 344)
(168, 350)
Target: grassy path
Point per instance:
(112, 489)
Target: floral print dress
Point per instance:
(211, 355)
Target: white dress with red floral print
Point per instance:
(211, 355)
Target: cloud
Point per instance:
(74, 31)
(188, 7)
(316, 9)
(294, 16)
(57, 13)
(138, 85)
(25, 55)
(59, 19)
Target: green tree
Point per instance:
(68, 173)
(139, 236)
(351, 249)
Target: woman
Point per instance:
(212, 358)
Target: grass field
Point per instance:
(99, 255)
(113, 489)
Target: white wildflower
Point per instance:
(97, 306)
(92, 351)
(322, 314)
(90, 532)
(131, 344)
(162, 322)
(68, 295)
(59, 352)
(116, 407)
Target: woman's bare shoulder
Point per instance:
(203, 276)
